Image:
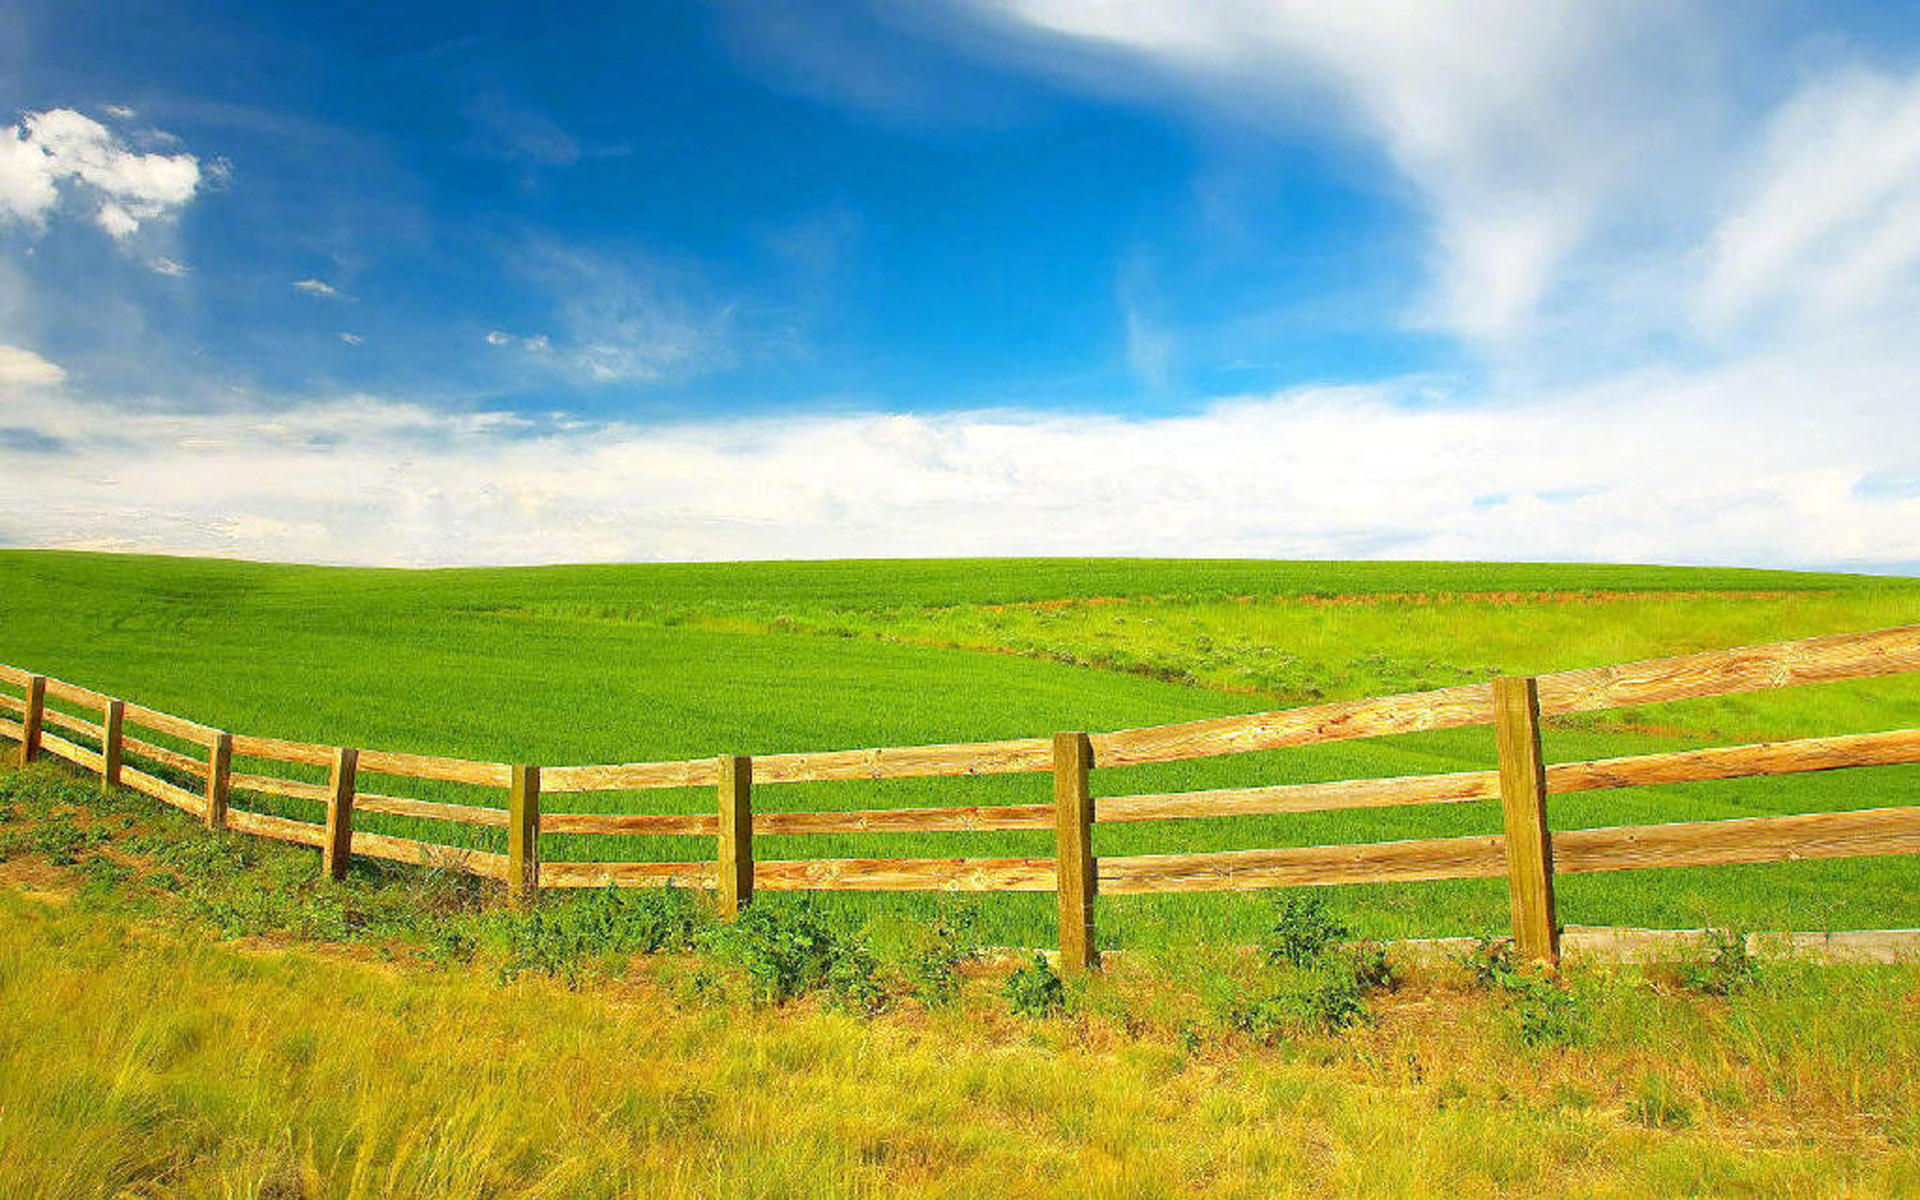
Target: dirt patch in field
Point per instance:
(37, 880)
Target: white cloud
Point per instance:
(317, 287)
(168, 267)
(1828, 225)
(351, 339)
(60, 151)
(118, 112)
(1719, 465)
(25, 369)
(498, 337)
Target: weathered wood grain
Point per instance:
(53, 743)
(1523, 808)
(1723, 672)
(13, 703)
(1460, 787)
(111, 746)
(902, 762)
(160, 789)
(161, 754)
(60, 689)
(688, 824)
(179, 727)
(426, 854)
(14, 675)
(1075, 878)
(907, 875)
(11, 729)
(30, 723)
(433, 810)
(336, 843)
(219, 780)
(733, 833)
(523, 831)
(629, 776)
(273, 785)
(1305, 866)
(304, 833)
(428, 766)
(1735, 762)
(279, 750)
(645, 874)
(972, 819)
(1447, 708)
(1858, 833)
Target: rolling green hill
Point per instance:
(621, 663)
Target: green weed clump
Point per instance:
(594, 934)
(1035, 989)
(1723, 966)
(1313, 981)
(788, 950)
(1544, 1010)
(936, 951)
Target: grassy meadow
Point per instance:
(622, 663)
(190, 1014)
(194, 1014)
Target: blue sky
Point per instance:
(706, 280)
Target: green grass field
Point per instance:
(184, 1013)
(619, 663)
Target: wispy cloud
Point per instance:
(1829, 223)
(317, 287)
(622, 318)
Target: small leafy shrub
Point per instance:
(1304, 927)
(568, 939)
(1544, 1010)
(853, 978)
(1035, 990)
(1490, 963)
(1547, 1012)
(1327, 996)
(786, 950)
(937, 952)
(1722, 967)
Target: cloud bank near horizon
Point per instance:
(1711, 468)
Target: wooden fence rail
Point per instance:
(1528, 853)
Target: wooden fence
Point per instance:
(1527, 853)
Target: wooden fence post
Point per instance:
(30, 721)
(735, 860)
(337, 850)
(1523, 801)
(1074, 867)
(219, 773)
(523, 833)
(113, 732)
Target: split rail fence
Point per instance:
(1527, 852)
